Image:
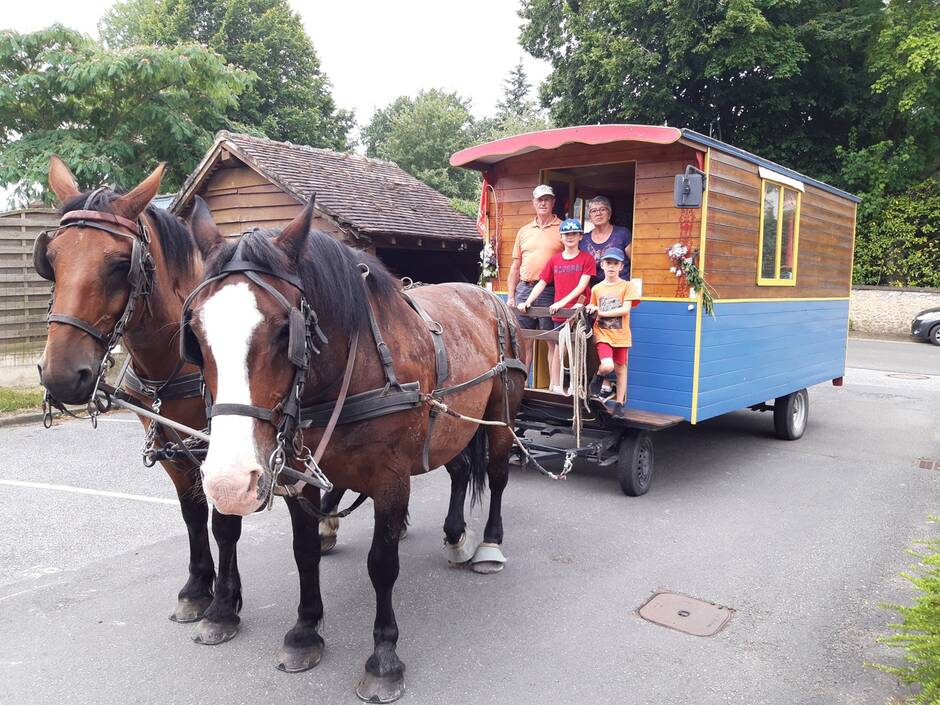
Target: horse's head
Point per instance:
(89, 257)
(247, 326)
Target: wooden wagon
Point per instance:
(775, 245)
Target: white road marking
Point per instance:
(32, 589)
(85, 490)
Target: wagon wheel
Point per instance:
(791, 413)
(635, 464)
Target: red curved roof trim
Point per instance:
(492, 152)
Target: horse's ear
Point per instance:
(207, 233)
(132, 204)
(294, 235)
(62, 180)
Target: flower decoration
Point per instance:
(682, 258)
(489, 265)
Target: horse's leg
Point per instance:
(220, 622)
(384, 677)
(458, 540)
(196, 594)
(303, 645)
(329, 527)
(489, 556)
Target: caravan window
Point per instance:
(779, 234)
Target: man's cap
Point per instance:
(614, 253)
(543, 190)
(570, 225)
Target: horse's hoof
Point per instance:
(488, 559)
(381, 689)
(294, 659)
(212, 633)
(462, 551)
(327, 543)
(190, 610)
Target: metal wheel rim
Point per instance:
(798, 414)
(643, 469)
(936, 335)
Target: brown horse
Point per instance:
(243, 327)
(108, 250)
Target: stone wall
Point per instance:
(886, 311)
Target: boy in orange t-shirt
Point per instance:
(612, 300)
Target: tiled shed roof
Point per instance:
(369, 196)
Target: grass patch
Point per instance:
(19, 399)
(918, 632)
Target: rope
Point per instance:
(575, 345)
(569, 455)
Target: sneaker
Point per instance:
(594, 388)
(606, 389)
(617, 411)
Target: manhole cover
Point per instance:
(928, 464)
(907, 375)
(685, 614)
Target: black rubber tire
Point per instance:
(791, 414)
(635, 464)
(934, 335)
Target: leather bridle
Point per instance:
(140, 277)
(285, 416)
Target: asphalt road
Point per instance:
(804, 540)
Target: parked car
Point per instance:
(926, 325)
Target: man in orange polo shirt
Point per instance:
(535, 244)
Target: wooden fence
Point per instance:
(24, 295)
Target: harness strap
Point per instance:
(502, 366)
(385, 355)
(365, 405)
(81, 325)
(256, 412)
(437, 335)
(185, 387)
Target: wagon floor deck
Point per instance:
(635, 418)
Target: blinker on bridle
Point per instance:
(139, 277)
(303, 324)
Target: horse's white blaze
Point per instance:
(228, 320)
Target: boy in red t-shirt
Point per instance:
(570, 271)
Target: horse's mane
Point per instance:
(176, 242)
(328, 270)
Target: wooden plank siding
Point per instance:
(241, 199)
(655, 218)
(24, 295)
(824, 254)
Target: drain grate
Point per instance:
(685, 614)
(907, 375)
(928, 464)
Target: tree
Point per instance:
(290, 97)
(111, 115)
(779, 77)
(516, 112)
(420, 134)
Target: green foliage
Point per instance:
(290, 97)
(900, 244)
(420, 134)
(516, 112)
(779, 77)
(111, 115)
(918, 633)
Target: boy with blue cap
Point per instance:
(611, 300)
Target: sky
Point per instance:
(372, 51)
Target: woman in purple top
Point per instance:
(605, 234)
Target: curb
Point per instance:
(19, 419)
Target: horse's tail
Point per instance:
(477, 454)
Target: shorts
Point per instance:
(618, 354)
(545, 299)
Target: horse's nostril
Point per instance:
(84, 375)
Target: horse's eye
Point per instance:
(119, 268)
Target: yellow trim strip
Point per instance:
(775, 300)
(703, 240)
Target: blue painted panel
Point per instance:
(661, 360)
(752, 352)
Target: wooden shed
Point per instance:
(775, 245)
(251, 182)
